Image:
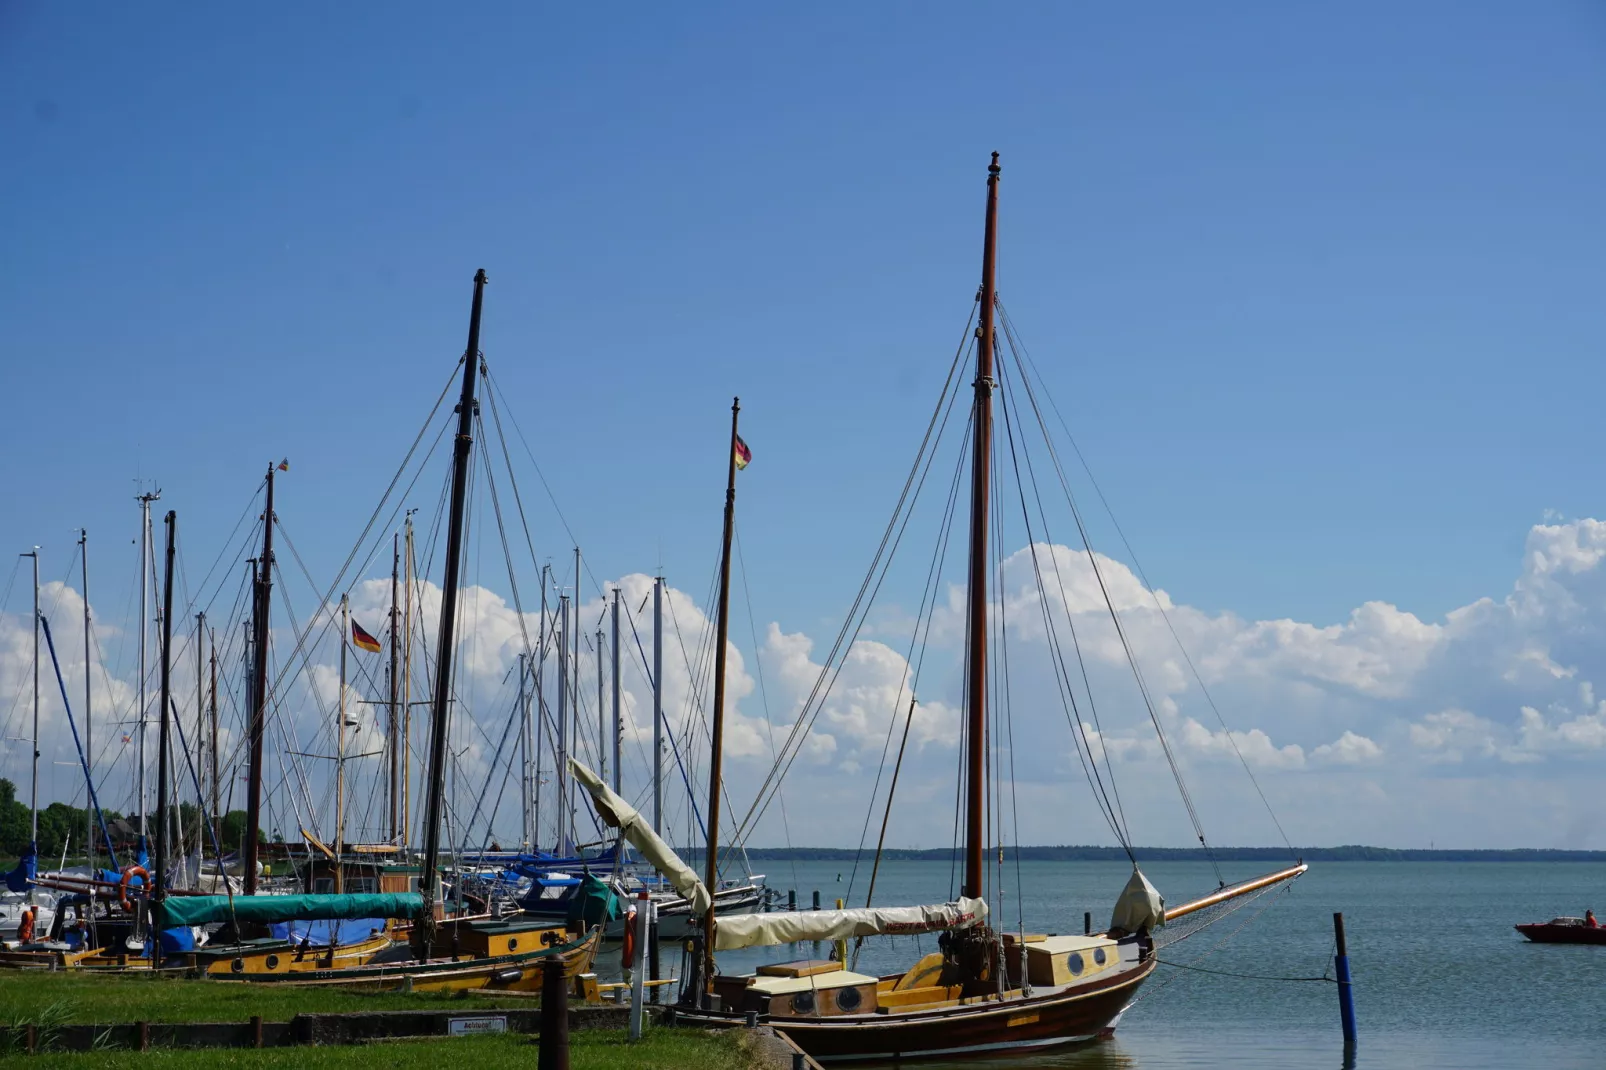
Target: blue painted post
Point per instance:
(1346, 990)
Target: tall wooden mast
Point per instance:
(717, 732)
(976, 703)
(441, 699)
(261, 615)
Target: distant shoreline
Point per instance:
(1353, 853)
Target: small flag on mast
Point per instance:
(284, 465)
(744, 456)
(362, 639)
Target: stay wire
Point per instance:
(871, 585)
(1120, 631)
(1015, 344)
(1111, 810)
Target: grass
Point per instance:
(48, 1000)
(70, 998)
(600, 1049)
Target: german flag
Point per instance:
(744, 456)
(363, 639)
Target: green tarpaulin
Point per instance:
(267, 909)
(594, 903)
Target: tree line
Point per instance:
(63, 828)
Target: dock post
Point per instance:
(652, 952)
(816, 899)
(841, 945)
(791, 899)
(1087, 923)
(554, 1017)
(638, 965)
(1346, 989)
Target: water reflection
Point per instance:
(1097, 1055)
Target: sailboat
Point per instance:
(983, 990)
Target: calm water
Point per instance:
(1441, 978)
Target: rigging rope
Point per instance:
(891, 538)
(1024, 358)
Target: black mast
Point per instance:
(259, 691)
(976, 704)
(162, 801)
(440, 701)
(717, 733)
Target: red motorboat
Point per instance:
(1564, 931)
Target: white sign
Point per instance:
(473, 1027)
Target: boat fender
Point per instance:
(25, 927)
(627, 950)
(507, 977)
(122, 885)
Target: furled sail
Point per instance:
(621, 815)
(756, 930)
(1140, 905)
(269, 909)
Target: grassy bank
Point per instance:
(661, 1049)
(47, 999)
(69, 998)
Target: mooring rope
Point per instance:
(1245, 976)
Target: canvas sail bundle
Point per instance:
(764, 930)
(635, 829)
(1140, 905)
(270, 909)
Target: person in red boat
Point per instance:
(1589, 919)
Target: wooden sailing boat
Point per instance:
(984, 991)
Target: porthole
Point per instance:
(512, 943)
(272, 962)
(803, 1003)
(1099, 956)
(1075, 963)
(848, 999)
(238, 965)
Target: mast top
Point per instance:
(993, 168)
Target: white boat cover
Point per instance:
(766, 930)
(621, 815)
(1140, 905)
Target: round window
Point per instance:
(272, 962)
(512, 943)
(1075, 963)
(238, 965)
(803, 1003)
(848, 999)
(1099, 956)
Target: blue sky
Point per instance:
(1317, 288)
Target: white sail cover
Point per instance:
(1140, 905)
(764, 930)
(621, 815)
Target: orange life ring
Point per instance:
(25, 926)
(122, 885)
(627, 953)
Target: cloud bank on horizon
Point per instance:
(1480, 730)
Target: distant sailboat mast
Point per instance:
(33, 802)
(717, 728)
(144, 643)
(89, 748)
